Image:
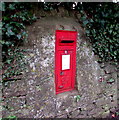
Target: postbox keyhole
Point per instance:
(61, 73)
(61, 86)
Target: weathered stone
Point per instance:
(62, 12)
(102, 65)
(109, 69)
(95, 111)
(90, 107)
(25, 111)
(105, 114)
(16, 103)
(62, 116)
(114, 76)
(78, 16)
(53, 12)
(74, 114)
(83, 114)
(107, 77)
(105, 107)
(112, 109)
(100, 102)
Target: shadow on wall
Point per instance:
(88, 69)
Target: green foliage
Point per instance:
(15, 17)
(11, 117)
(111, 80)
(77, 98)
(100, 21)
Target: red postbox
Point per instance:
(65, 60)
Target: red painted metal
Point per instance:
(65, 44)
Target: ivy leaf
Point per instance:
(2, 42)
(111, 80)
(9, 33)
(106, 49)
(19, 37)
(87, 31)
(8, 43)
(8, 61)
(91, 20)
(115, 52)
(12, 7)
(85, 22)
(83, 18)
(78, 97)
(12, 117)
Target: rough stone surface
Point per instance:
(34, 95)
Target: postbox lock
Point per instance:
(61, 86)
(61, 73)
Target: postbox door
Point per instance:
(64, 79)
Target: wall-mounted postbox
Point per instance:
(65, 60)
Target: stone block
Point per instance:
(109, 68)
(62, 116)
(100, 102)
(95, 111)
(114, 76)
(75, 114)
(105, 114)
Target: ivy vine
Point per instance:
(15, 17)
